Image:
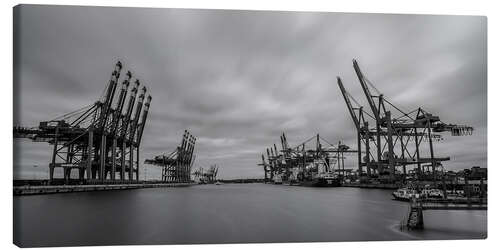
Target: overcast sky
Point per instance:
(237, 79)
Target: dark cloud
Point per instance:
(237, 79)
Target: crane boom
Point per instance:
(348, 103)
(110, 92)
(127, 117)
(121, 101)
(133, 125)
(366, 90)
(143, 120)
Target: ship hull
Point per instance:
(400, 198)
(321, 182)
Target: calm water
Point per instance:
(228, 213)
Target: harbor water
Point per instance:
(230, 213)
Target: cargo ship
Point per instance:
(277, 179)
(318, 174)
(323, 180)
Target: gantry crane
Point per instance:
(176, 166)
(291, 163)
(417, 126)
(81, 139)
(207, 177)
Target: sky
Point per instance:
(238, 79)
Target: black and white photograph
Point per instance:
(167, 126)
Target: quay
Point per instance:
(53, 189)
(372, 185)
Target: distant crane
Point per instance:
(207, 177)
(176, 166)
(282, 164)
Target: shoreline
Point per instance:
(55, 189)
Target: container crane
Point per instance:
(80, 138)
(409, 126)
(176, 166)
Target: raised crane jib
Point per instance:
(127, 117)
(348, 103)
(366, 90)
(133, 125)
(110, 92)
(191, 154)
(121, 102)
(143, 120)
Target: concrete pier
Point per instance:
(372, 185)
(417, 206)
(53, 189)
